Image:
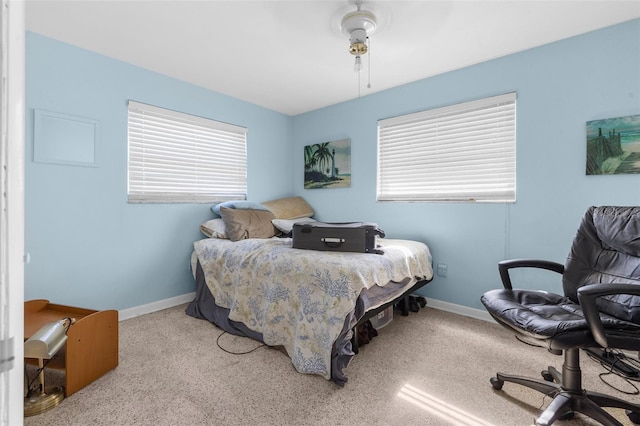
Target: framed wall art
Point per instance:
(328, 165)
(613, 146)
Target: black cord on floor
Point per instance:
(620, 357)
(235, 353)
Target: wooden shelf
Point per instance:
(91, 349)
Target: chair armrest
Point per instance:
(587, 296)
(505, 265)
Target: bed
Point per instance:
(307, 302)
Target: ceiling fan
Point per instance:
(359, 25)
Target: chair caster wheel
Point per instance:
(633, 416)
(546, 375)
(496, 383)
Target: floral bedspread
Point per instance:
(299, 298)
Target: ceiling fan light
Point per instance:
(358, 48)
(359, 26)
(357, 66)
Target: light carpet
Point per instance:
(430, 368)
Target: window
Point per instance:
(176, 157)
(463, 152)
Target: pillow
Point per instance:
(237, 204)
(289, 208)
(245, 223)
(214, 228)
(286, 225)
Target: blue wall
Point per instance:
(88, 246)
(560, 87)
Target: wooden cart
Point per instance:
(91, 349)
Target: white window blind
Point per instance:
(463, 152)
(176, 157)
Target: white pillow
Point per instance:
(286, 225)
(214, 228)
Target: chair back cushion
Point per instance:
(606, 249)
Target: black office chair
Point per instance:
(600, 309)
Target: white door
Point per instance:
(12, 146)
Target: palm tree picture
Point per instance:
(328, 165)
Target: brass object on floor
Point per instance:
(37, 404)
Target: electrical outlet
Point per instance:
(442, 269)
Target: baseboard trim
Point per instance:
(136, 311)
(459, 309)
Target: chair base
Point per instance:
(568, 395)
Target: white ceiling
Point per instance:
(290, 56)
